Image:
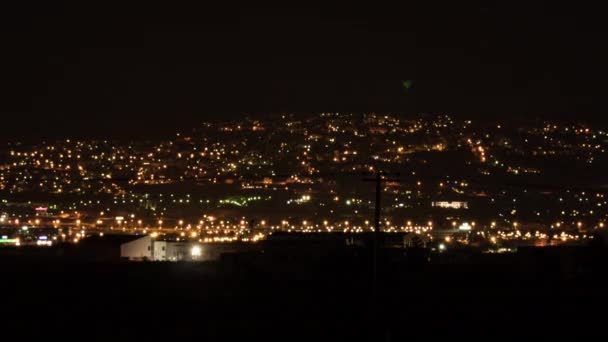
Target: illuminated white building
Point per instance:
(157, 249)
(147, 248)
(451, 205)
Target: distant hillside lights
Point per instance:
(301, 200)
(450, 205)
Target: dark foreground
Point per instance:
(547, 294)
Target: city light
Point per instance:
(302, 191)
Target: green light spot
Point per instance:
(407, 85)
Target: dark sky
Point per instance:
(101, 68)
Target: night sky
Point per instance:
(117, 70)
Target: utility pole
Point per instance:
(379, 179)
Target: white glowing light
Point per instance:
(465, 226)
(196, 251)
